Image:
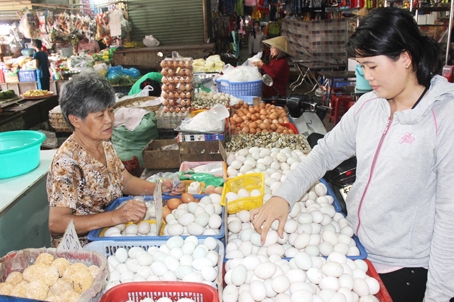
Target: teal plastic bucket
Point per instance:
(361, 82)
(19, 152)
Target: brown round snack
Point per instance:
(14, 278)
(60, 287)
(6, 289)
(94, 270)
(61, 264)
(20, 290)
(45, 273)
(79, 276)
(45, 258)
(70, 296)
(37, 290)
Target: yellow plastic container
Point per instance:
(249, 182)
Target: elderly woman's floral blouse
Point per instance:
(78, 181)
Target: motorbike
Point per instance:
(307, 115)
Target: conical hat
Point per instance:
(280, 43)
(362, 12)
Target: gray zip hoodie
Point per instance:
(402, 203)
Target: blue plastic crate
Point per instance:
(27, 76)
(239, 89)
(95, 234)
(336, 203)
(249, 99)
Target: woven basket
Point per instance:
(138, 102)
(57, 121)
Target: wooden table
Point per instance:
(32, 112)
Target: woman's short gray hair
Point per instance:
(84, 94)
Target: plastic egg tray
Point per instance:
(249, 182)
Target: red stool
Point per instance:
(339, 105)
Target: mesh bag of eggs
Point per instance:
(176, 90)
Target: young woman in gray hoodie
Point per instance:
(402, 133)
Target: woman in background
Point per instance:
(277, 68)
(42, 65)
(255, 39)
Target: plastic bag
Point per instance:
(210, 121)
(150, 41)
(208, 179)
(241, 73)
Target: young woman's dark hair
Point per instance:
(398, 34)
(38, 43)
(253, 25)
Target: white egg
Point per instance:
(145, 259)
(210, 243)
(314, 275)
(230, 196)
(203, 219)
(234, 226)
(143, 227)
(112, 232)
(230, 293)
(215, 221)
(243, 193)
(265, 270)
(195, 229)
(131, 229)
(121, 254)
(280, 284)
(257, 290)
(132, 264)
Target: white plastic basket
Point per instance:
(108, 248)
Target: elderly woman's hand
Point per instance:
(258, 64)
(133, 210)
(263, 217)
(167, 186)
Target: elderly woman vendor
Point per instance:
(86, 174)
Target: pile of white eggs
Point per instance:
(177, 260)
(143, 228)
(242, 193)
(312, 226)
(196, 218)
(303, 278)
(275, 163)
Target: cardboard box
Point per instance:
(156, 154)
(202, 151)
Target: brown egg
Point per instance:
(187, 198)
(188, 103)
(163, 64)
(175, 64)
(188, 87)
(209, 189)
(183, 110)
(165, 102)
(177, 110)
(181, 72)
(170, 72)
(173, 203)
(218, 190)
(171, 87)
(171, 102)
(165, 211)
(171, 109)
(181, 87)
(187, 72)
(165, 110)
(187, 64)
(164, 87)
(164, 71)
(164, 80)
(188, 95)
(181, 64)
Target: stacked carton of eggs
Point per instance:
(176, 84)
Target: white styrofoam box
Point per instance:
(352, 64)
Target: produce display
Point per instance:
(303, 278)
(176, 90)
(193, 218)
(36, 93)
(7, 94)
(177, 259)
(267, 140)
(211, 64)
(206, 100)
(264, 118)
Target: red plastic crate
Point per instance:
(290, 126)
(382, 295)
(137, 291)
(2, 76)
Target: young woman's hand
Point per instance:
(263, 217)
